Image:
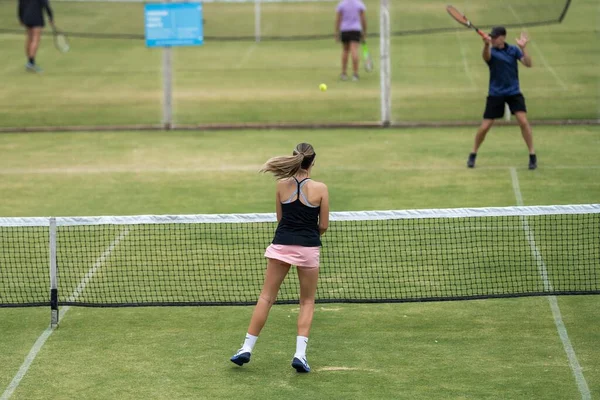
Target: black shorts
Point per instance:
(36, 25)
(494, 106)
(32, 21)
(351, 36)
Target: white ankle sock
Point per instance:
(249, 342)
(301, 342)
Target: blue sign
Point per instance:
(173, 24)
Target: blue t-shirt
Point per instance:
(504, 71)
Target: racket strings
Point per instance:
(454, 13)
(62, 42)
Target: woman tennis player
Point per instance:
(31, 15)
(350, 28)
(302, 207)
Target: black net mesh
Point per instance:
(24, 266)
(363, 260)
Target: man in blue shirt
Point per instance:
(501, 58)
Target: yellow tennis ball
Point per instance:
(323, 87)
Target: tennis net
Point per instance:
(369, 256)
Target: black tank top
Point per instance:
(299, 223)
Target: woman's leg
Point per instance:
(28, 40)
(34, 43)
(308, 287)
(355, 57)
(276, 272)
(345, 54)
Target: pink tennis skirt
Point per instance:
(299, 256)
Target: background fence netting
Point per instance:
(236, 20)
(263, 61)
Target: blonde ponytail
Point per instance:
(287, 166)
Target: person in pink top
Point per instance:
(350, 28)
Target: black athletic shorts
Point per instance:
(32, 19)
(33, 24)
(494, 106)
(351, 36)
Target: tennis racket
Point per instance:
(367, 56)
(60, 40)
(461, 19)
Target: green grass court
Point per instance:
(481, 349)
(485, 349)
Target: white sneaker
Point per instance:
(300, 364)
(241, 357)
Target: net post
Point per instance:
(54, 315)
(167, 61)
(167, 87)
(385, 66)
(506, 112)
(257, 18)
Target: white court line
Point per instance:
(541, 55)
(463, 52)
(246, 56)
(39, 343)
(558, 321)
(27, 363)
(250, 50)
(253, 168)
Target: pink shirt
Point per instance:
(350, 11)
